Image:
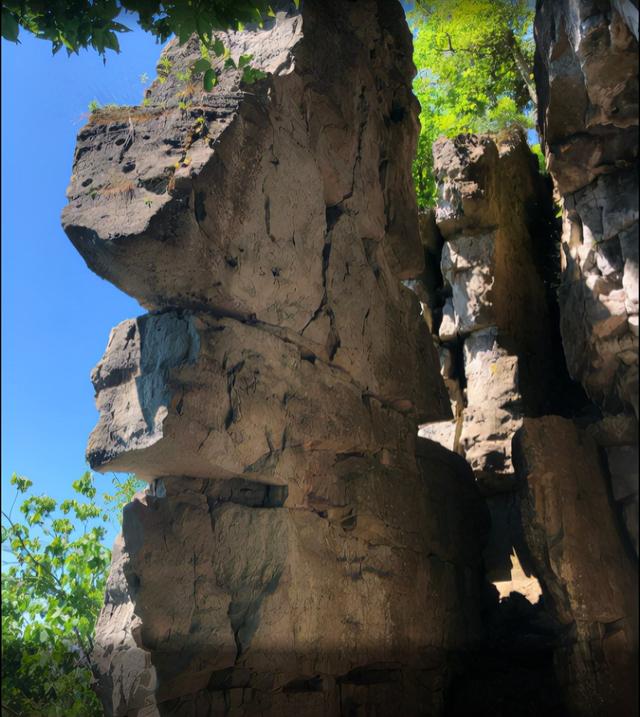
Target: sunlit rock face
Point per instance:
(299, 550)
(491, 312)
(587, 72)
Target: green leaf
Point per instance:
(10, 27)
(218, 47)
(201, 65)
(210, 80)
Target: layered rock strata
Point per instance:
(299, 549)
(587, 75)
(491, 314)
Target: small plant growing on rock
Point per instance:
(163, 69)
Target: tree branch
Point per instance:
(57, 586)
(523, 66)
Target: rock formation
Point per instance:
(588, 578)
(299, 550)
(493, 328)
(587, 75)
(490, 306)
(493, 308)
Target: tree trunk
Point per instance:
(524, 67)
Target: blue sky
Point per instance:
(56, 314)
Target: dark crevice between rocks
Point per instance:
(512, 675)
(563, 396)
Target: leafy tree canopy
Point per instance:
(474, 61)
(52, 591)
(78, 24)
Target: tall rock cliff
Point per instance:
(587, 74)
(562, 489)
(299, 550)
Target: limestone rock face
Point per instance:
(494, 328)
(271, 601)
(580, 560)
(154, 388)
(247, 202)
(587, 74)
(299, 549)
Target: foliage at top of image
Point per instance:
(474, 60)
(93, 24)
(53, 585)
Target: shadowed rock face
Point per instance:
(299, 549)
(557, 504)
(587, 72)
(587, 75)
(588, 576)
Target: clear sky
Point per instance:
(56, 314)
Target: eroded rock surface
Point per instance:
(580, 559)
(299, 549)
(491, 313)
(587, 72)
(587, 69)
(559, 497)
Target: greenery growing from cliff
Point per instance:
(52, 591)
(474, 60)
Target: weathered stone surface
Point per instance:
(495, 322)
(494, 406)
(575, 543)
(556, 536)
(291, 204)
(599, 291)
(587, 78)
(191, 394)
(587, 75)
(278, 595)
(299, 550)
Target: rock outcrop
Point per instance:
(299, 549)
(586, 573)
(492, 312)
(587, 75)
(491, 309)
